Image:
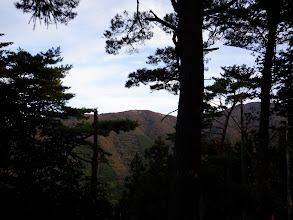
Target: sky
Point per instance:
(97, 79)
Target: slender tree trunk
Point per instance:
(185, 189)
(264, 209)
(223, 139)
(243, 155)
(229, 183)
(289, 146)
(94, 162)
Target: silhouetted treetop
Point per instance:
(130, 30)
(49, 11)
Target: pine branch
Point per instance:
(157, 19)
(219, 9)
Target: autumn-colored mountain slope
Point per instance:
(123, 146)
(251, 121)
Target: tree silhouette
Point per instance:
(260, 26)
(185, 24)
(236, 83)
(39, 171)
(284, 71)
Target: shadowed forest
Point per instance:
(227, 154)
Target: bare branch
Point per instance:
(236, 122)
(157, 19)
(210, 49)
(168, 114)
(220, 9)
(220, 122)
(87, 161)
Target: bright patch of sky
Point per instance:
(97, 78)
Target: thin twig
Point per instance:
(168, 114)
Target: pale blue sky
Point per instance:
(97, 78)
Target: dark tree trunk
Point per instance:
(223, 138)
(289, 146)
(94, 162)
(264, 209)
(243, 155)
(187, 154)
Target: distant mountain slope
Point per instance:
(233, 130)
(123, 146)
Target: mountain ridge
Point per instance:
(125, 145)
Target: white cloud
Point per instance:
(98, 78)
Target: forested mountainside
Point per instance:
(123, 146)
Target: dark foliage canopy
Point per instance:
(49, 11)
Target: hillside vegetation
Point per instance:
(125, 145)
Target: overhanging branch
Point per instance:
(210, 49)
(159, 20)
